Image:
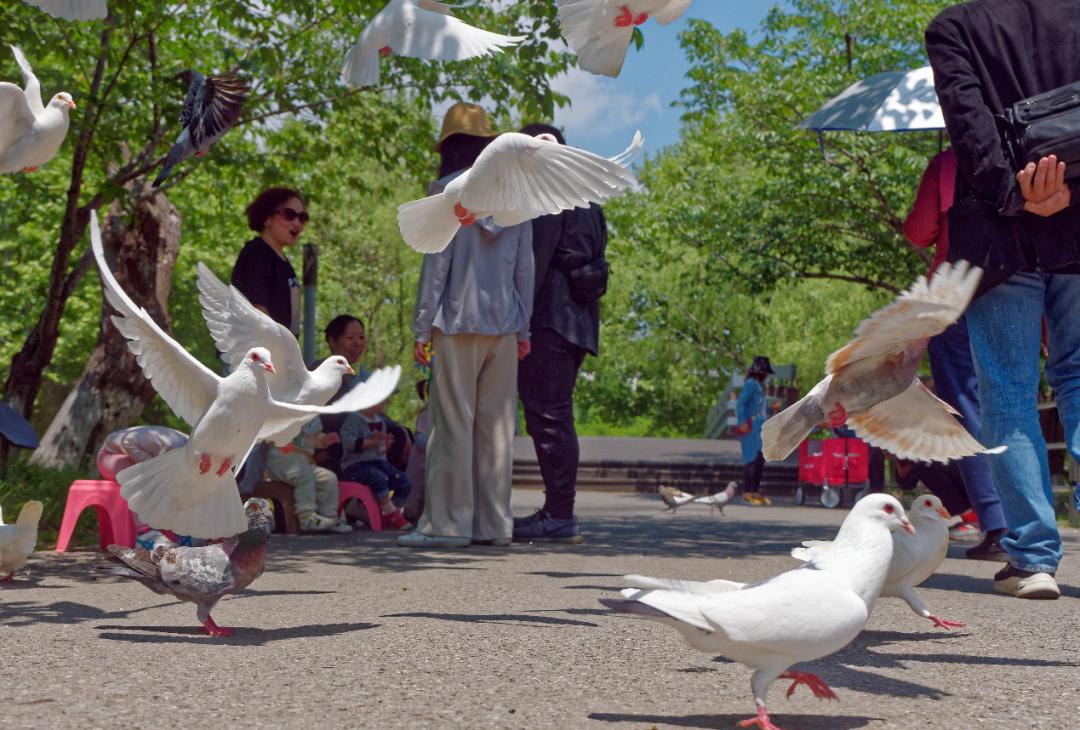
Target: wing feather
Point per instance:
(427, 30)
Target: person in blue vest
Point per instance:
(750, 415)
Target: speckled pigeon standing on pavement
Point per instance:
(204, 575)
(212, 106)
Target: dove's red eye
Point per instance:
(888, 509)
(255, 357)
(927, 503)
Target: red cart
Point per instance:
(839, 467)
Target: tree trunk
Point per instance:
(112, 391)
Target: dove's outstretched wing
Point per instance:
(917, 425)
(923, 311)
(72, 9)
(672, 11)
(285, 420)
(183, 382)
(30, 82)
(519, 175)
(16, 119)
(237, 326)
(425, 29)
(218, 108)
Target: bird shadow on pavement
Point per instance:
(494, 618)
(564, 574)
(244, 636)
(715, 722)
(25, 613)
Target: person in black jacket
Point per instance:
(1023, 228)
(571, 275)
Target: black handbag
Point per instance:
(589, 281)
(1046, 124)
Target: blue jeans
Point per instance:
(1005, 330)
(381, 476)
(956, 384)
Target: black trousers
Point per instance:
(752, 471)
(546, 387)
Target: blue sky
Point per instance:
(605, 112)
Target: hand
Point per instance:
(1054, 204)
(324, 440)
(742, 429)
(523, 349)
(1040, 182)
(420, 353)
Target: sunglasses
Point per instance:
(291, 215)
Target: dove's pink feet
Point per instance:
(7, 578)
(815, 683)
(225, 464)
(464, 215)
(204, 463)
(762, 720)
(385, 51)
(943, 624)
(626, 18)
(214, 630)
(837, 416)
(30, 169)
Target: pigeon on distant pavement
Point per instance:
(600, 31)
(212, 106)
(915, 557)
(18, 541)
(417, 29)
(30, 133)
(192, 490)
(515, 179)
(204, 575)
(72, 9)
(675, 498)
(797, 616)
(872, 382)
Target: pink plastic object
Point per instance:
(356, 490)
(811, 463)
(115, 523)
(858, 461)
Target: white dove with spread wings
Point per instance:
(418, 29)
(72, 9)
(30, 132)
(600, 31)
(192, 490)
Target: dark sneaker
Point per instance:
(541, 526)
(988, 549)
(1026, 584)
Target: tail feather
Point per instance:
(428, 224)
(683, 586)
(783, 433)
(622, 605)
(361, 66)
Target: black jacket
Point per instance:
(563, 242)
(987, 55)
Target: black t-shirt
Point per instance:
(269, 281)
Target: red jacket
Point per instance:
(927, 224)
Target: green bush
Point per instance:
(21, 481)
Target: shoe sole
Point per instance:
(1044, 589)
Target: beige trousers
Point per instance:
(470, 451)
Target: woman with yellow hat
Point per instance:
(473, 304)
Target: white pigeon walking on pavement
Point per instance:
(915, 557)
(675, 498)
(872, 382)
(72, 9)
(17, 541)
(600, 31)
(30, 132)
(418, 29)
(798, 616)
(237, 326)
(515, 179)
(212, 106)
(192, 490)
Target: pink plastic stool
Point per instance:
(356, 490)
(115, 523)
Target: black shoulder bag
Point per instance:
(1046, 124)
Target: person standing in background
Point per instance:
(750, 415)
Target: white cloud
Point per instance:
(597, 100)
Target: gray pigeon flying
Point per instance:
(204, 575)
(212, 106)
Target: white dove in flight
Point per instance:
(600, 31)
(417, 29)
(72, 9)
(30, 133)
(515, 179)
(915, 557)
(798, 616)
(192, 490)
(872, 382)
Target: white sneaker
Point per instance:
(314, 522)
(341, 527)
(1026, 584)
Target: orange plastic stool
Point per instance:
(115, 523)
(356, 490)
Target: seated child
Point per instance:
(365, 441)
(315, 489)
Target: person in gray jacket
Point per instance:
(471, 322)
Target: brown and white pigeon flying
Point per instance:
(17, 541)
(915, 557)
(72, 9)
(418, 29)
(192, 490)
(798, 616)
(872, 382)
(204, 575)
(600, 31)
(212, 107)
(30, 132)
